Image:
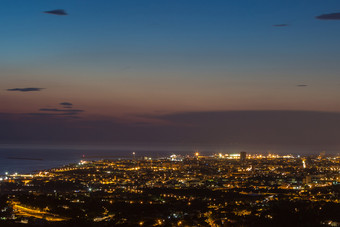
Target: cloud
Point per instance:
(27, 89)
(66, 104)
(330, 16)
(58, 12)
(55, 112)
(257, 127)
(280, 25)
(60, 110)
(302, 85)
(52, 114)
(264, 129)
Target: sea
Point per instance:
(30, 158)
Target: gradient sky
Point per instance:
(128, 60)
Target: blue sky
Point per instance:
(183, 35)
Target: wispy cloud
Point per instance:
(330, 16)
(302, 85)
(26, 89)
(60, 110)
(56, 112)
(58, 12)
(51, 114)
(280, 25)
(66, 104)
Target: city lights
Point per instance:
(257, 181)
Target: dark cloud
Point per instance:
(49, 109)
(259, 128)
(280, 25)
(330, 16)
(26, 89)
(53, 114)
(60, 110)
(302, 85)
(59, 12)
(66, 104)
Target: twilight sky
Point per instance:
(157, 67)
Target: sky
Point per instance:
(170, 71)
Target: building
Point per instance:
(243, 156)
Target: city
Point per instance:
(169, 113)
(217, 190)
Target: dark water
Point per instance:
(29, 158)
